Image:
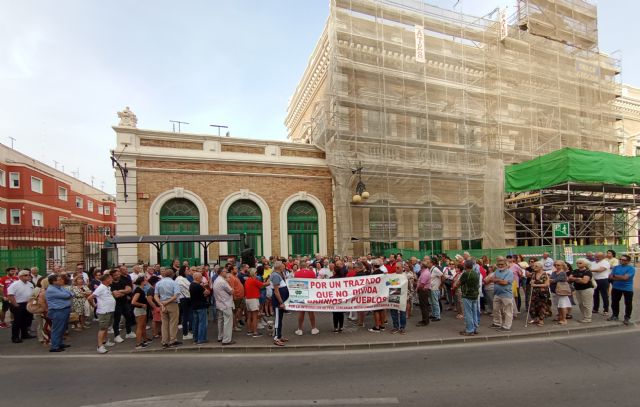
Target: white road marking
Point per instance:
(197, 400)
(382, 401)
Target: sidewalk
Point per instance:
(444, 332)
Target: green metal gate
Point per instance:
(23, 259)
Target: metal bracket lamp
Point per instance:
(361, 189)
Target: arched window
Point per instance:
(180, 216)
(302, 229)
(245, 216)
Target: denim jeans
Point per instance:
(122, 310)
(185, 312)
(602, 290)
(59, 318)
(477, 314)
(616, 295)
(199, 325)
(470, 313)
(435, 304)
(399, 319)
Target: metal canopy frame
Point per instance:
(160, 240)
(591, 209)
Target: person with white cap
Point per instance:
(19, 294)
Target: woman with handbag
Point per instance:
(37, 306)
(562, 290)
(80, 293)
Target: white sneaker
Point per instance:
(298, 332)
(180, 326)
(315, 331)
(130, 335)
(102, 350)
(109, 344)
(110, 330)
(119, 339)
(187, 336)
(148, 327)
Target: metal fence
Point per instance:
(26, 248)
(94, 241)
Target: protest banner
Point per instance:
(379, 291)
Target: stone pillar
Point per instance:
(74, 231)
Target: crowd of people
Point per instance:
(175, 304)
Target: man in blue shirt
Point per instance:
(502, 296)
(622, 278)
(167, 293)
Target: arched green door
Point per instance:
(180, 216)
(302, 229)
(244, 216)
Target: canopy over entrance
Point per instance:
(160, 240)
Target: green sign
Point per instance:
(561, 229)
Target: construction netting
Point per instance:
(572, 165)
(432, 104)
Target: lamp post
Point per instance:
(361, 188)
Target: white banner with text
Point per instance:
(366, 293)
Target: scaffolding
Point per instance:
(597, 214)
(434, 103)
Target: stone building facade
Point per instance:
(279, 193)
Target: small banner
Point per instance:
(420, 53)
(504, 26)
(379, 291)
(568, 254)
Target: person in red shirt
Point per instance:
(306, 272)
(238, 297)
(5, 282)
(252, 287)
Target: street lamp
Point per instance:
(361, 189)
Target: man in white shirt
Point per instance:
(601, 270)
(19, 294)
(105, 304)
(547, 263)
(437, 278)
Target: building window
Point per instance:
(637, 151)
(3, 178)
(79, 202)
(14, 180)
(3, 216)
(90, 206)
(15, 216)
(37, 219)
(107, 210)
(100, 210)
(36, 185)
(62, 193)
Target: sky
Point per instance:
(67, 67)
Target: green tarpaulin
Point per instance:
(572, 165)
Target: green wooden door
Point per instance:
(302, 229)
(244, 216)
(180, 216)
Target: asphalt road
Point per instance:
(574, 371)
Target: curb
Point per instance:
(212, 349)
